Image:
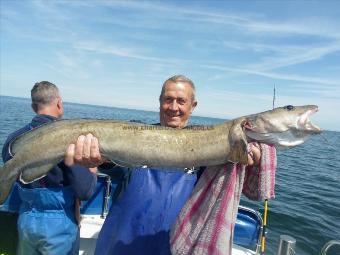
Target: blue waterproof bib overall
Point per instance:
(46, 223)
(140, 220)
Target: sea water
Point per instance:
(307, 202)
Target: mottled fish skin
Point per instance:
(135, 144)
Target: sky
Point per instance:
(118, 53)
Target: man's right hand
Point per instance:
(85, 152)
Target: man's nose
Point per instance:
(174, 105)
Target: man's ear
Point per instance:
(60, 107)
(194, 104)
(59, 103)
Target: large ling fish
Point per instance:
(134, 144)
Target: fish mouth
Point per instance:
(305, 124)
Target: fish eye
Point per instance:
(289, 107)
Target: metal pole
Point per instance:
(329, 245)
(287, 245)
(107, 197)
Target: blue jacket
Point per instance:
(46, 222)
(79, 178)
(139, 221)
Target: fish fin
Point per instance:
(238, 145)
(34, 174)
(122, 163)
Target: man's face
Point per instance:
(176, 104)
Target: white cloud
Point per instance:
(245, 22)
(67, 60)
(296, 56)
(278, 76)
(138, 44)
(110, 49)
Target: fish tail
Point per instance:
(7, 179)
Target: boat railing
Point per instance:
(328, 245)
(254, 221)
(286, 245)
(107, 194)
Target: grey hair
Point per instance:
(43, 93)
(180, 78)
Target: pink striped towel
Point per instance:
(205, 224)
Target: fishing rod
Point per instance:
(265, 212)
(264, 227)
(274, 97)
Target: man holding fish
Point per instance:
(140, 221)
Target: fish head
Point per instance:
(286, 126)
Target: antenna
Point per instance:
(274, 97)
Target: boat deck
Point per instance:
(90, 228)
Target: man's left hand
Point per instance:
(85, 152)
(254, 154)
